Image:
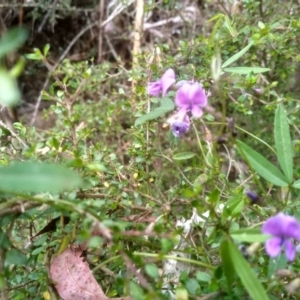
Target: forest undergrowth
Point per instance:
(149, 150)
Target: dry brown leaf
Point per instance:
(73, 278)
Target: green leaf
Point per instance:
(229, 26)
(248, 278)
(34, 56)
(217, 16)
(9, 91)
(283, 142)
(181, 293)
(216, 68)
(37, 177)
(136, 291)
(277, 263)
(15, 257)
(262, 166)
(167, 103)
(18, 68)
(227, 263)
(246, 70)
(183, 155)
(203, 276)
(152, 270)
(192, 286)
(95, 242)
(38, 250)
(13, 39)
(46, 49)
(234, 206)
(236, 56)
(151, 115)
(214, 196)
(296, 184)
(249, 235)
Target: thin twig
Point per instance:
(83, 30)
(138, 30)
(13, 134)
(64, 54)
(18, 208)
(37, 105)
(38, 101)
(50, 10)
(36, 5)
(131, 267)
(18, 286)
(100, 36)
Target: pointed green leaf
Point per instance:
(296, 184)
(276, 263)
(13, 39)
(249, 235)
(18, 68)
(152, 115)
(236, 56)
(230, 27)
(37, 177)
(227, 264)
(16, 257)
(217, 16)
(246, 70)
(262, 166)
(166, 103)
(283, 142)
(9, 91)
(248, 278)
(183, 155)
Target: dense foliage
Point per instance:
(168, 174)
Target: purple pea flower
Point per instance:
(162, 85)
(180, 123)
(251, 195)
(191, 98)
(283, 229)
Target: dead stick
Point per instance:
(138, 29)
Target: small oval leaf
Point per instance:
(37, 177)
(183, 155)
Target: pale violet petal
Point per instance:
(196, 111)
(154, 88)
(197, 95)
(180, 128)
(181, 99)
(167, 80)
(273, 246)
(290, 251)
(283, 226)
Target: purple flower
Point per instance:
(180, 123)
(191, 98)
(162, 85)
(283, 229)
(180, 128)
(252, 196)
